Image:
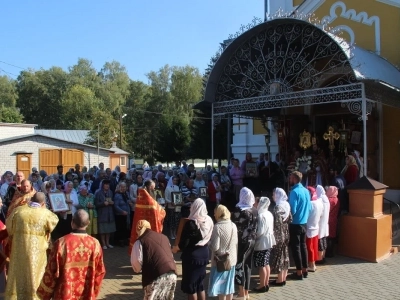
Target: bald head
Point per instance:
(80, 220)
(39, 198)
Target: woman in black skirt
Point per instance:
(195, 254)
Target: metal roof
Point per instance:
(74, 136)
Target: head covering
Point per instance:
(82, 187)
(66, 184)
(313, 193)
(263, 205)
(321, 194)
(141, 227)
(332, 191)
(246, 199)
(222, 213)
(352, 160)
(281, 201)
(43, 187)
(214, 174)
(199, 214)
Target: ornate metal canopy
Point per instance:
(289, 62)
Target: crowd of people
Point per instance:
(225, 217)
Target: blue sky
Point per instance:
(142, 35)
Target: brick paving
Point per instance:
(342, 278)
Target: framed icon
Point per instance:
(251, 169)
(203, 192)
(177, 198)
(58, 202)
(159, 194)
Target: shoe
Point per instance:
(312, 270)
(305, 274)
(110, 246)
(264, 289)
(239, 298)
(274, 283)
(294, 276)
(105, 247)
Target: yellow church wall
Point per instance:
(391, 146)
(258, 128)
(389, 25)
(297, 2)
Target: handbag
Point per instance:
(223, 262)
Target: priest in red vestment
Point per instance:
(147, 209)
(75, 269)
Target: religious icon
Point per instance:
(203, 192)
(58, 202)
(305, 140)
(159, 197)
(177, 198)
(251, 169)
(331, 136)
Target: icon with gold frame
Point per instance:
(305, 140)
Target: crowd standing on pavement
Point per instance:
(225, 217)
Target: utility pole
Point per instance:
(98, 144)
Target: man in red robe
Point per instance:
(75, 269)
(147, 209)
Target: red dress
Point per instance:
(332, 193)
(351, 174)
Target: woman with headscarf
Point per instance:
(86, 201)
(265, 240)
(350, 171)
(148, 209)
(360, 163)
(313, 229)
(214, 193)
(323, 225)
(279, 261)
(173, 211)
(195, 236)
(334, 207)
(71, 198)
(157, 264)
(46, 190)
(223, 240)
(121, 210)
(133, 194)
(105, 213)
(245, 218)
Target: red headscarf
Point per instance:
(313, 193)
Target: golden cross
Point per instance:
(331, 136)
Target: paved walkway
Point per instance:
(343, 278)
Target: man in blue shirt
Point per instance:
(300, 206)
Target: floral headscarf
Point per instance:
(281, 201)
(263, 205)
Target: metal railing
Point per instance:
(393, 204)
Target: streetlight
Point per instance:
(120, 129)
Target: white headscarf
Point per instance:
(246, 199)
(198, 213)
(322, 194)
(263, 205)
(281, 201)
(360, 163)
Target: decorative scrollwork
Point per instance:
(355, 107)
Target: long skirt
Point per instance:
(163, 288)
(279, 260)
(92, 227)
(221, 283)
(243, 265)
(108, 227)
(122, 232)
(312, 248)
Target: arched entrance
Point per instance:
(289, 62)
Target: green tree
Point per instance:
(172, 145)
(10, 115)
(8, 91)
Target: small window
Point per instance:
(123, 161)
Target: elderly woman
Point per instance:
(195, 236)
(86, 201)
(105, 214)
(157, 265)
(46, 189)
(245, 218)
(350, 171)
(280, 252)
(223, 240)
(173, 211)
(323, 225)
(122, 209)
(334, 207)
(265, 240)
(71, 198)
(313, 229)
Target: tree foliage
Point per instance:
(159, 116)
